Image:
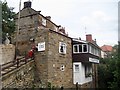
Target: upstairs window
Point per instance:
(85, 48)
(94, 50)
(80, 48)
(43, 22)
(75, 48)
(62, 48)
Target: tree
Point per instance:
(8, 23)
(116, 82)
(109, 71)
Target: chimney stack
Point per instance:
(62, 30)
(27, 4)
(48, 17)
(89, 38)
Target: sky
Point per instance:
(80, 17)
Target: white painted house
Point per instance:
(85, 58)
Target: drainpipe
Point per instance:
(16, 45)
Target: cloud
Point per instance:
(99, 17)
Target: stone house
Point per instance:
(29, 24)
(86, 55)
(53, 59)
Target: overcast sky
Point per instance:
(81, 17)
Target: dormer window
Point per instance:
(80, 48)
(43, 22)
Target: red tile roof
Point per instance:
(107, 48)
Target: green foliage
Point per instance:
(109, 71)
(8, 23)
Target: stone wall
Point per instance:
(49, 62)
(22, 77)
(41, 58)
(7, 53)
(56, 60)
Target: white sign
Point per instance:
(93, 60)
(41, 46)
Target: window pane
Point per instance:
(75, 48)
(92, 50)
(62, 48)
(80, 48)
(84, 48)
(76, 68)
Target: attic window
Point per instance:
(62, 48)
(43, 22)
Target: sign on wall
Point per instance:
(41, 46)
(93, 60)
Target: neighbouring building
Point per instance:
(106, 51)
(85, 59)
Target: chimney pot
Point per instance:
(48, 17)
(89, 37)
(27, 4)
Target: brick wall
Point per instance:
(7, 53)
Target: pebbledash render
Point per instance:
(54, 57)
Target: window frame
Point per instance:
(76, 69)
(88, 71)
(64, 47)
(44, 22)
(94, 50)
(78, 50)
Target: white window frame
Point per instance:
(83, 48)
(78, 48)
(76, 69)
(74, 48)
(44, 21)
(64, 47)
(96, 51)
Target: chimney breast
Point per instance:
(89, 37)
(27, 4)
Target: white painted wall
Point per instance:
(103, 54)
(80, 75)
